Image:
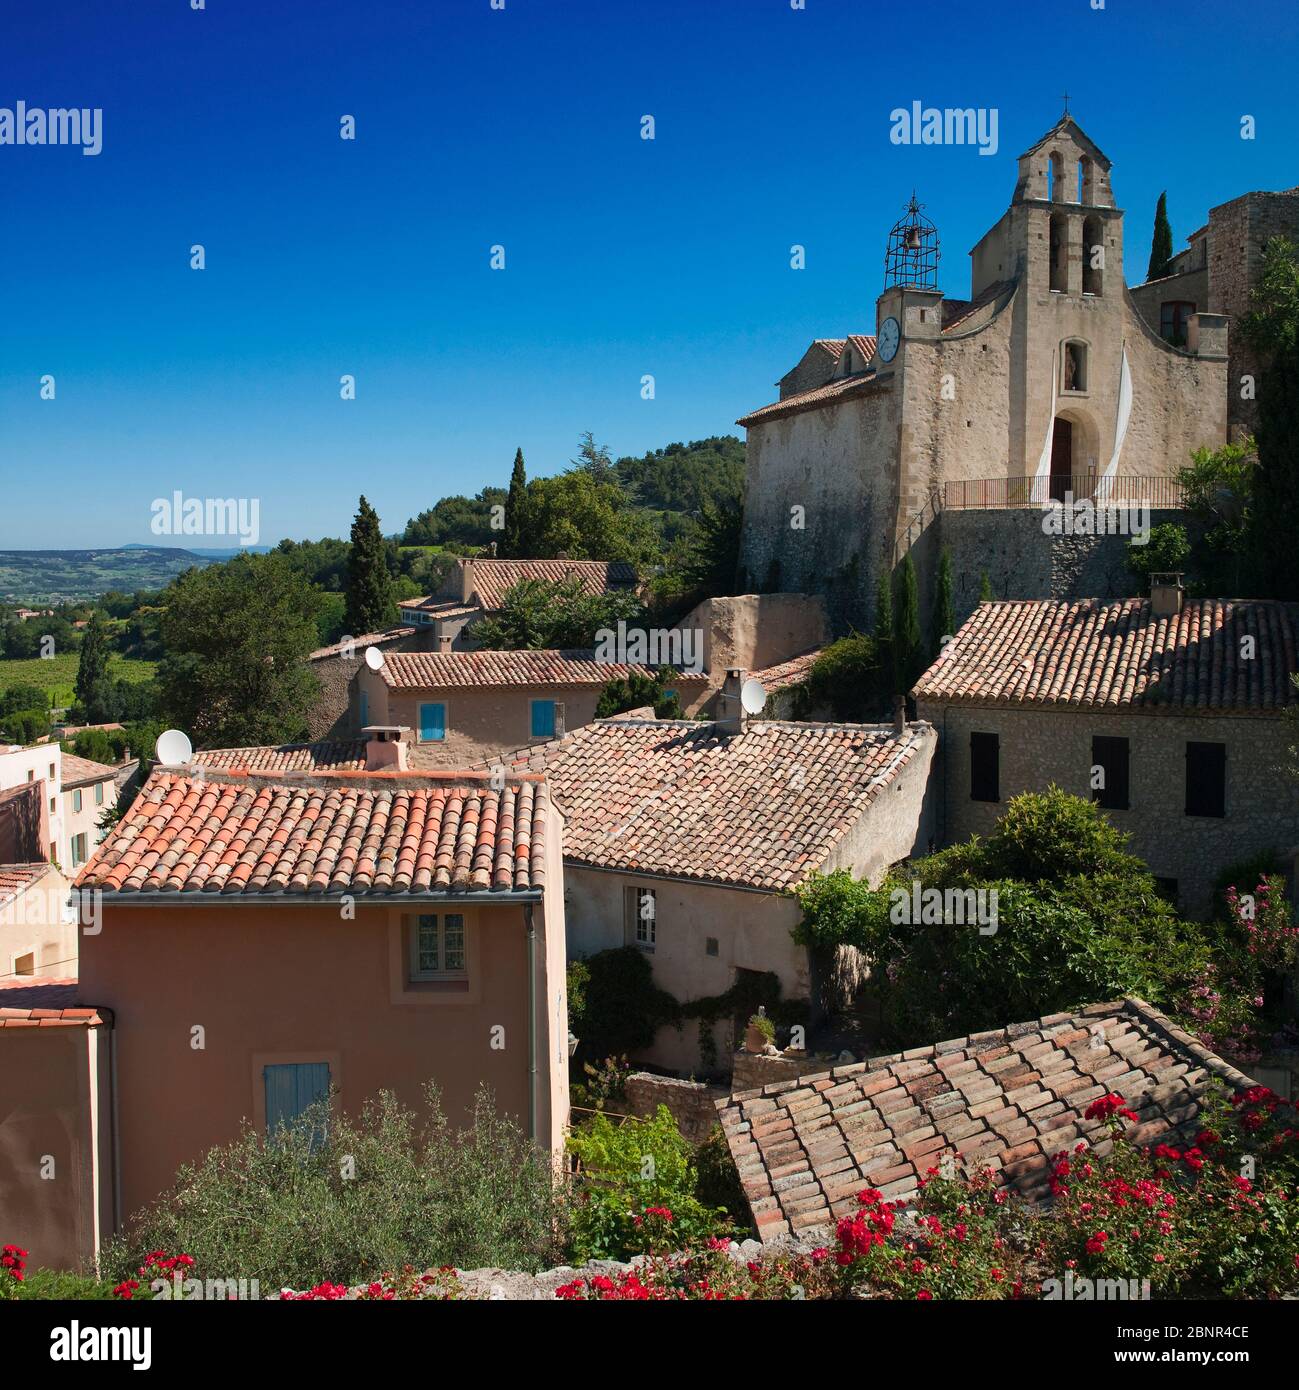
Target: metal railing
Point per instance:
(990, 493)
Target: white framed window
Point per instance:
(437, 946)
(78, 850)
(99, 793)
(640, 916)
(76, 799)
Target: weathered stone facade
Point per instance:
(1041, 747)
(1218, 272)
(1023, 380)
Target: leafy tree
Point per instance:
(1272, 328)
(369, 586)
(712, 552)
(908, 652)
(1075, 919)
(93, 690)
(237, 637)
(985, 588)
(538, 615)
(24, 696)
(516, 506)
(944, 620)
(1167, 549)
(637, 691)
(583, 517)
(847, 678)
(594, 459)
(683, 478)
(25, 725)
(93, 744)
(1218, 491)
(1161, 242)
(459, 522)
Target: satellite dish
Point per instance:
(753, 697)
(173, 748)
(374, 658)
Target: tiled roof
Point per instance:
(956, 311)
(1092, 655)
(762, 809)
(42, 1001)
(17, 878)
(77, 771)
(786, 673)
(1009, 1099)
(359, 644)
(864, 344)
(437, 607)
(335, 755)
(831, 393)
(492, 579)
(366, 834)
(450, 670)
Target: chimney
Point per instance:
(444, 641)
(730, 712)
(899, 715)
(1166, 593)
(559, 719)
(384, 749)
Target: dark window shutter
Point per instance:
(985, 767)
(1206, 779)
(1113, 755)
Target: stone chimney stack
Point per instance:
(444, 641)
(900, 715)
(1166, 593)
(730, 712)
(384, 749)
(559, 719)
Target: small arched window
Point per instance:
(1073, 366)
(1093, 276)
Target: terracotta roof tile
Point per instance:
(17, 878)
(762, 809)
(1090, 655)
(786, 673)
(831, 393)
(494, 578)
(78, 771)
(45, 1001)
(451, 670)
(338, 755)
(365, 834)
(370, 639)
(805, 1147)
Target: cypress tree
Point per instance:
(908, 652)
(985, 588)
(369, 586)
(1161, 243)
(92, 687)
(944, 617)
(516, 504)
(883, 609)
(1275, 512)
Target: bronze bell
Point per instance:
(912, 240)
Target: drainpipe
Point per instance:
(532, 1021)
(117, 1133)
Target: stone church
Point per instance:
(1047, 379)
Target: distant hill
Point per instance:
(53, 576)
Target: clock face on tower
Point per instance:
(890, 334)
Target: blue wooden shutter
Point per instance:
(432, 723)
(290, 1088)
(365, 708)
(543, 719)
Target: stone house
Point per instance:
(330, 717)
(1168, 712)
(1217, 273)
(459, 708)
(686, 839)
(1046, 379)
(269, 935)
(476, 587)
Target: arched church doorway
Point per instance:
(1061, 458)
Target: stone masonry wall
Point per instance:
(1041, 747)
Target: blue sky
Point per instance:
(521, 127)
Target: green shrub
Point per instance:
(285, 1212)
(846, 678)
(59, 1284)
(632, 1171)
(621, 1008)
(718, 1184)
